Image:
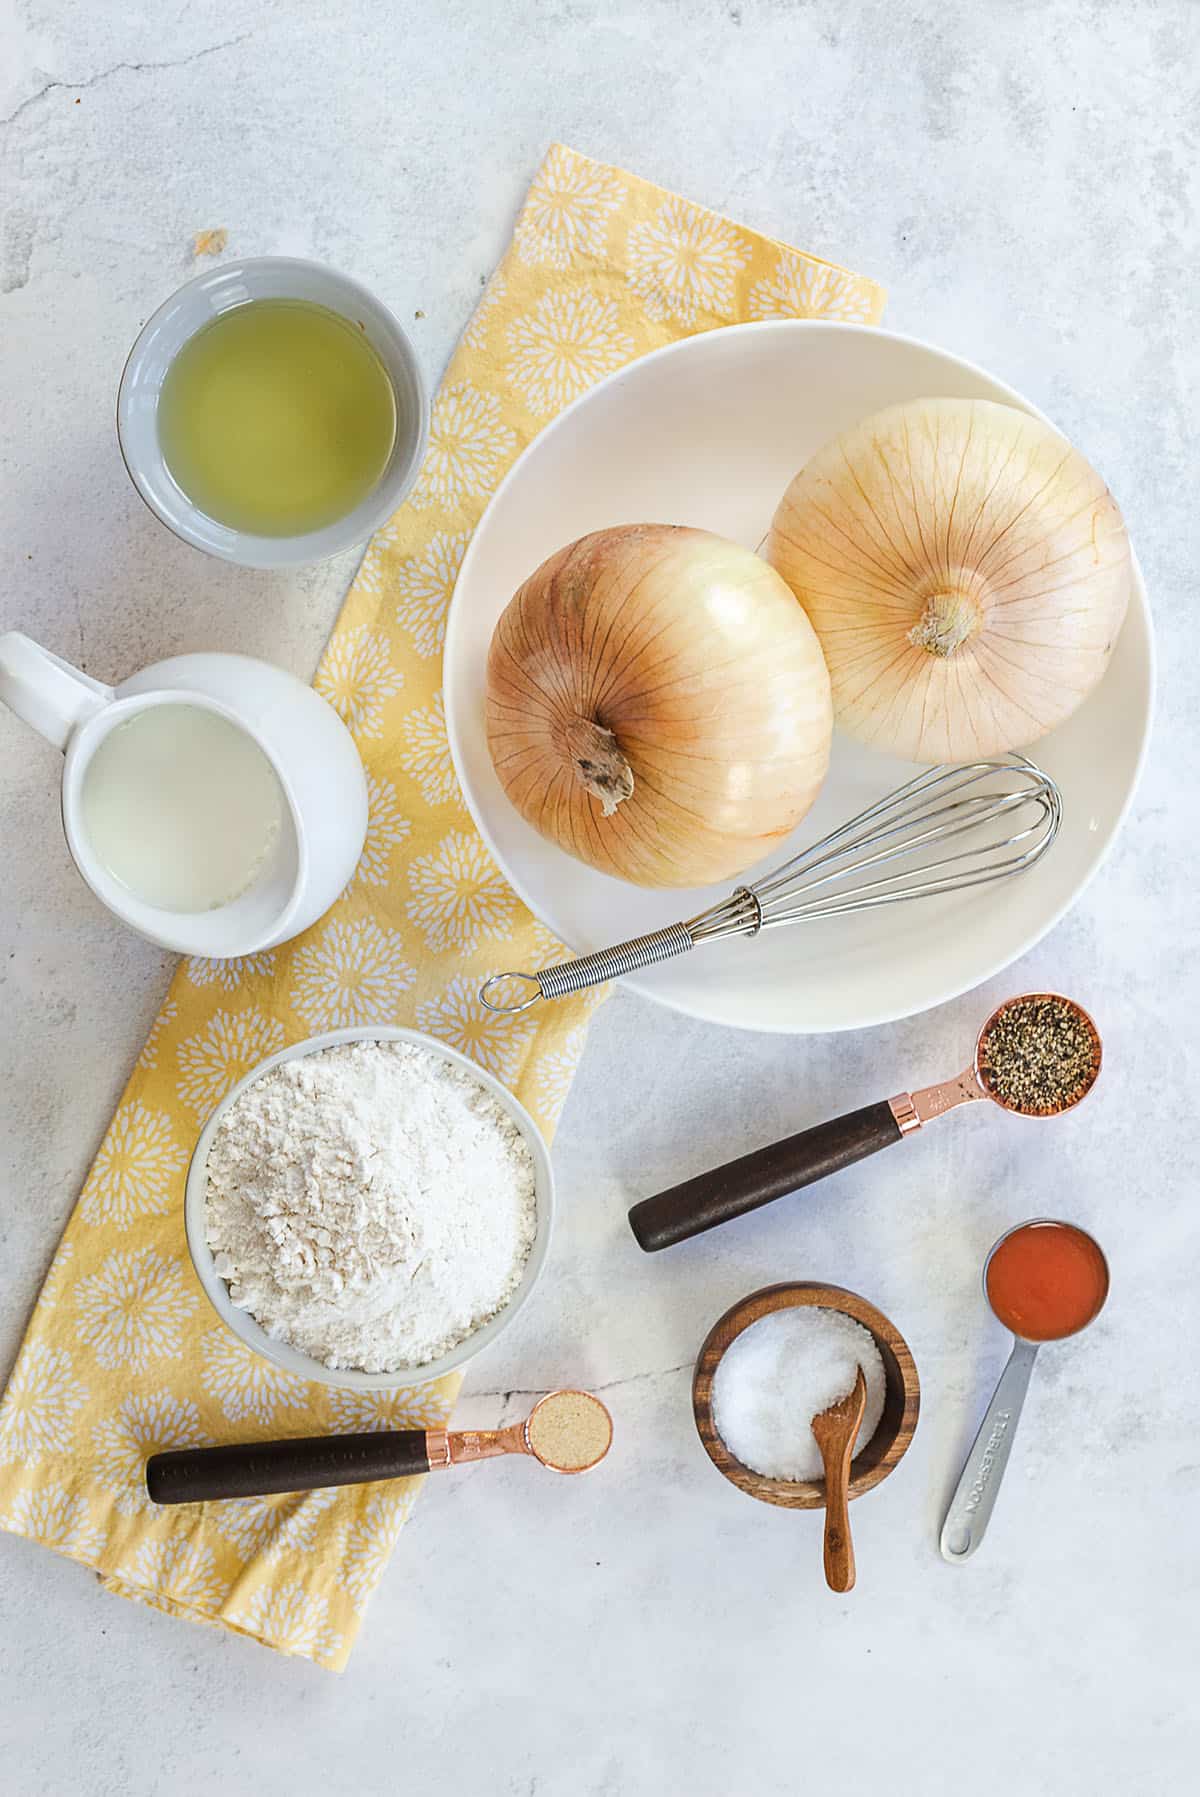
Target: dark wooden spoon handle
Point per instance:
(758, 1178)
(253, 1469)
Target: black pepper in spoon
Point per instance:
(1039, 1055)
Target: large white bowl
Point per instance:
(708, 432)
(291, 1359)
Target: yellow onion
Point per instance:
(657, 704)
(966, 570)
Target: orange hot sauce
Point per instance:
(1046, 1280)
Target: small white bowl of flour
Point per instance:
(369, 1208)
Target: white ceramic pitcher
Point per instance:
(307, 744)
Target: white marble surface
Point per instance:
(1023, 178)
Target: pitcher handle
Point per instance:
(45, 691)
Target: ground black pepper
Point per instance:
(1040, 1055)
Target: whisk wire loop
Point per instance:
(826, 880)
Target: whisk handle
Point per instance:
(586, 970)
(742, 1185)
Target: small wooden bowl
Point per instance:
(900, 1409)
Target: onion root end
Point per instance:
(599, 765)
(950, 619)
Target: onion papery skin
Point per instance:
(679, 657)
(966, 570)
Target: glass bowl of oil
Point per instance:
(272, 413)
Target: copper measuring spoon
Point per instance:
(568, 1431)
(979, 1483)
(743, 1185)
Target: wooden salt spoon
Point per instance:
(836, 1431)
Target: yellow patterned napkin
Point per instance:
(123, 1356)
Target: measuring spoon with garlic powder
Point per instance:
(1037, 1055)
(1045, 1281)
(568, 1431)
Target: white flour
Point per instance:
(370, 1204)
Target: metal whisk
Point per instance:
(1008, 811)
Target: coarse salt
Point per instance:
(781, 1372)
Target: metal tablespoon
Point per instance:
(979, 1483)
